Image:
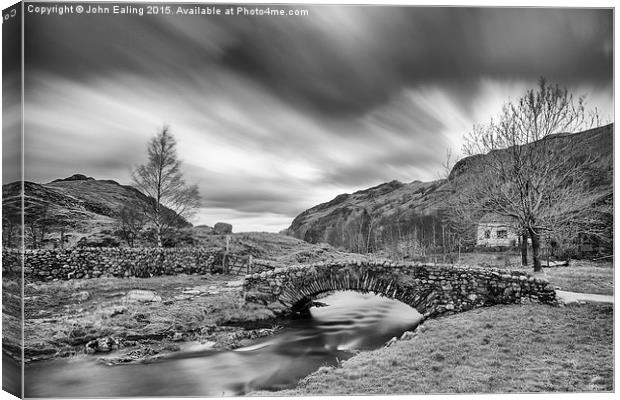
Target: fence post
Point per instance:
(225, 263)
(249, 266)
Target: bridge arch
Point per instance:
(431, 289)
(298, 293)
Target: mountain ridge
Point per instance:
(77, 208)
(395, 210)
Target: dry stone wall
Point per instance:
(84, 263)
(259, 266)
(430, 288)
(11, 263)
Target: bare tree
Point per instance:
(130, 222)
(459, 217)
(367, 221)
(11, 220)
(590, 220)
(59, 224)
(37, 222)
(528, 173)
(162, 180)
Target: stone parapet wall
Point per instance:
(430, 288)
(259, 266)
(84, 263)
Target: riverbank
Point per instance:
(131, 320)
(135, 319)
(500, 349)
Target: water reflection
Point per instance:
(351, 321)
(11, 375)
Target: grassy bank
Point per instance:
(579, 276)
(11, 315)
(62, 317)
(583, 277)
(516, 348)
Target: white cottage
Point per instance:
(496, 230)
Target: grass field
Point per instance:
(579, 276)
(11, 315)
(516, 348)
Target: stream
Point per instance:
(351, 321)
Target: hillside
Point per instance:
(76, 207)
(406, 217)
(274, 247)
(87, 209)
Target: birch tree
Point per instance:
(161, 179)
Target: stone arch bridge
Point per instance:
(431, 289)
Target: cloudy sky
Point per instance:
(276, 114)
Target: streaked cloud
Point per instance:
(273, 116)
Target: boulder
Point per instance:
(407, 335)
(102, 345)
(81, 296)
(177, 337)
(391, 341)
(222, 228)
(144, 296)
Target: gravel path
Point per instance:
(574, 297)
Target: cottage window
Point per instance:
(487, 234)
(502, 234)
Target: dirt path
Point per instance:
(574, 297)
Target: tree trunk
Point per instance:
(33, 235)
(535, 249)
(370, 222)
(524, 249)
(443, 241)
(158, 233)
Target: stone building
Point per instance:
(496, 230)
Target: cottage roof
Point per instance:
(494, 217)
